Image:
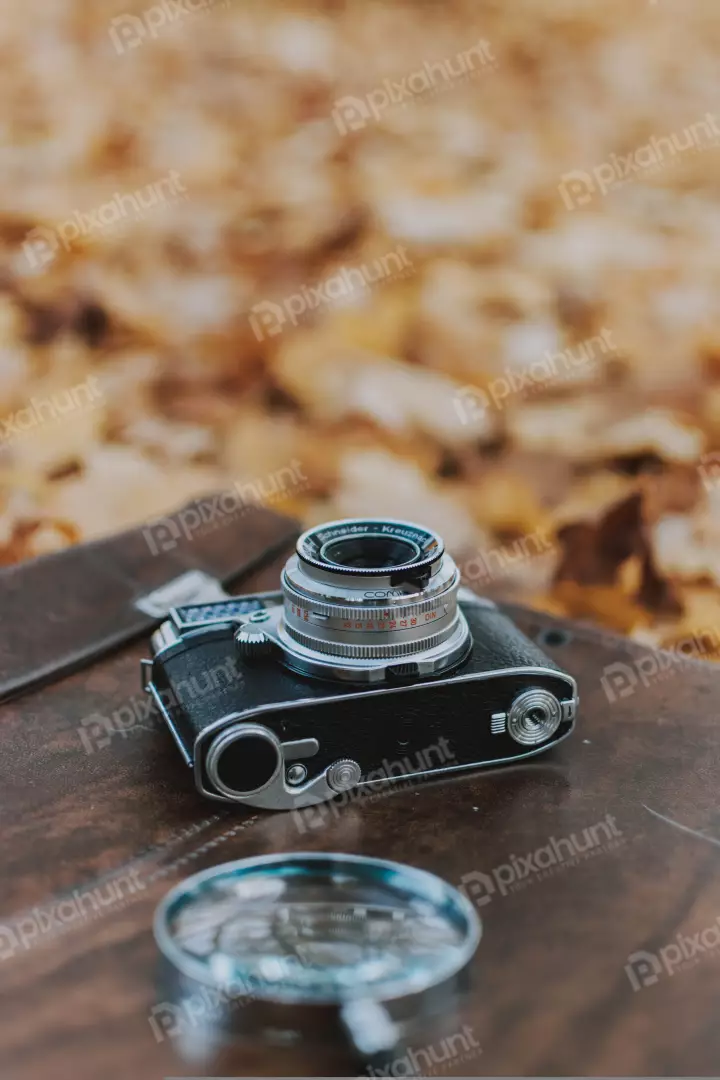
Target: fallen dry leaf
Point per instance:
(540, 382)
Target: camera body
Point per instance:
(260, 732)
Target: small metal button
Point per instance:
(534, 717)
(296, 774)
(343, 774)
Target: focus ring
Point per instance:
(367, 652)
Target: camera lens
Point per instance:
(370, 552)
(243, 759)
(362, 594)
(534, 716)
(371, 548)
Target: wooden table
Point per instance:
(602, 960)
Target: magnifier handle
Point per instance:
(373, 1034)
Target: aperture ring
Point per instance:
(298, 604)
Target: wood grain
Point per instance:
(550, 993)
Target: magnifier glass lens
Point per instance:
(319, 927)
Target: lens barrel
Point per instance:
(369, 592)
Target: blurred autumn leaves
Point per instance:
(453, 389)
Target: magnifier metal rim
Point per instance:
(423, 883)
(376, 571)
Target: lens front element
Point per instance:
(371, 548)
(370, 552)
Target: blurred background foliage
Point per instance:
(456, 262)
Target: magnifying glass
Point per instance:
(298, 947)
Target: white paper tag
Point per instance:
(194, 587)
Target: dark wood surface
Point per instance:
(551, 994)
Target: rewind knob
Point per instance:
(253, 644)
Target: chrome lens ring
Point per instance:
(374, 651)
(371, 548)
(323, 587)
(359, 619)
(318, 658)
(534, 717)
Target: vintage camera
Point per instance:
(371, 665)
